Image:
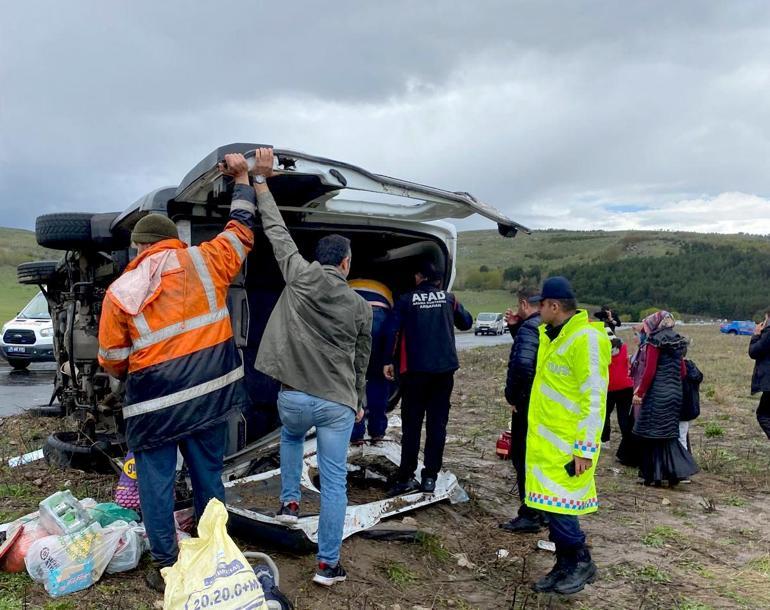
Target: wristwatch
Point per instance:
(259, 179)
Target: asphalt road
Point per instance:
(21, 390)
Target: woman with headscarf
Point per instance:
(658, 370)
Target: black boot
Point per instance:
(153, 578)
(523, 524)
(547, 582)
(578, 573)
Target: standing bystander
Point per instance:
(566, 415)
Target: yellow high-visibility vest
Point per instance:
(566, 416)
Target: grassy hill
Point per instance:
(705, 274)
(17, 246)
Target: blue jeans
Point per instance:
(203, 453)
(377, 387)
(565, 532)
(333, 422)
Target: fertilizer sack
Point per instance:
(211, 571)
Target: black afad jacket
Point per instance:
(423, 334)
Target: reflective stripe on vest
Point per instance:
(204, 276)
(565, 402)
(118, 353)
(569, 340)
(235, 242)
(179, 328)
(551, 437)
(163, 402)
(595, 384)
(141, 325)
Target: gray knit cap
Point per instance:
(153, 228)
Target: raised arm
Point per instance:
(290, 261)
(224, 255)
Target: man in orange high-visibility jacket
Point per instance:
(165, 329)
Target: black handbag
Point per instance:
(691, 392)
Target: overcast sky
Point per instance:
(563, 114)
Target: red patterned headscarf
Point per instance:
(657, 321)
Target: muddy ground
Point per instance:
(698, 546)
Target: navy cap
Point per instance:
(556, 288)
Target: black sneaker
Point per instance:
(272, 593)
(327, 575)
(154, 579)
(288, 513)
(428, 485)
(547, 583)
(576, 577)
(403, 488)
(522, 525)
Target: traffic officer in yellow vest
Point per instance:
(566, 416)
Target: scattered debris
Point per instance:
(502, 553)
(546, 545)
(27, 458)
(666, 502)
(463, 561)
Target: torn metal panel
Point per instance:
(358, 517)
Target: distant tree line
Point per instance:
(700, 279)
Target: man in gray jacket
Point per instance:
(317, 344)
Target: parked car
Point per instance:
(391, 223)
(738, 327)
(29, 336)
(489, 324)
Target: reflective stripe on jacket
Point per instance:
(566, 416)
(165, 327)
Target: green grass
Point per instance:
(495, 301)
(12, 590)
(660, 535)
(713, 430)
(433, 546)
(653, 574)
(691, 604)
(18, 490)
(17, 246)
(761, 565)
(399, 574)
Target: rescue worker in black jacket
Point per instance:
(523, 326)
(424, 348)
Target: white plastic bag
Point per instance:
(65, 564)
(131, 546)
(211, 571)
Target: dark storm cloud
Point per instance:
(553, 111)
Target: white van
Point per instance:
(29, 336)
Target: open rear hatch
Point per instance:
(316, 186)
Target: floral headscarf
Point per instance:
(657, 321)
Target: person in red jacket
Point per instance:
(620, 392)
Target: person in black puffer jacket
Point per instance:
(523, 326)
(658, 372)
(759, 350)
